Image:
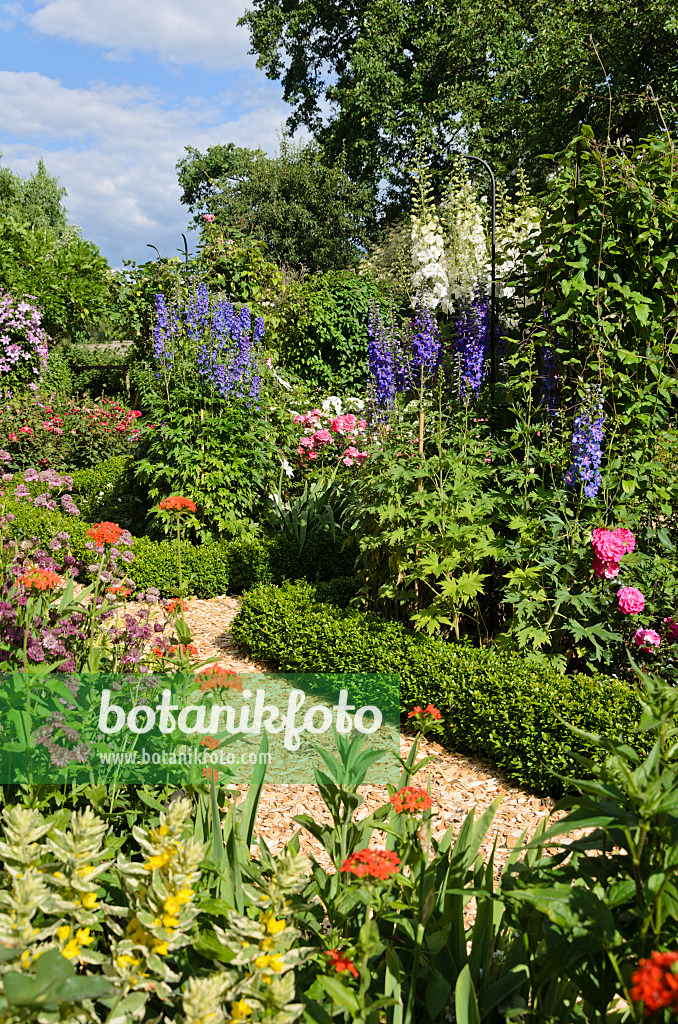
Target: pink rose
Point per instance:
(362, 424)
(626, 537)
(646, 639)
(305, 442)
(338, 425)
(671, 629)
(209, 217)
(607, 545)
(605, 570)
(322, 437)
(631, 601)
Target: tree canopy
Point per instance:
(507, 81)
(308, 212)
(35, 200)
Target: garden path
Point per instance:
(458, 783)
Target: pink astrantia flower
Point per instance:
(605, 570)
(646, 639)
(631, 601)
(608, 545)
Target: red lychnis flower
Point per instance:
(655, 983)
(105, 533)
(428, 710)
(182, 648)
(216, 677)
(379, 864)
(210, 741)
(341, 963)
(177, 504)
(40, 579)
(411, 800)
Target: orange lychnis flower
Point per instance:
(40, 579)
(411, 800)
(216, 677)
(105, 533)
(177, 504)
(379, 864)
(341, 963)
(655, 982)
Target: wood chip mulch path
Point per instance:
(458, 783)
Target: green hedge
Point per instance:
(210, 569)
(494, 704)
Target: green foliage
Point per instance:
(588, 914)
(221, 457)
(308, 212)
(322, 331)
(507, 82)
(35, 200)
(495, 705)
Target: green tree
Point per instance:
(508, 80)
(41, 254)
(308, 212)
(35, 200)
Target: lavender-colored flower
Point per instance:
(386, 362)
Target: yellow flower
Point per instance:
(89, 901)
(125, 960)
(273, 926)
(168, 921)
(26, 958)
(240, 1010)
(60, 876)
(87, 869)
(83, 937)
(63, 933)
(71, 949)
(185, 895)
(172, 905)
(161, 948)
(272, 961)
(160, 861)
(267, 944)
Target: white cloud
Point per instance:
(202, 32)
(115, 149)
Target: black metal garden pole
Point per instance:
(493, 284)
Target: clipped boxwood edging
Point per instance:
(494, 704)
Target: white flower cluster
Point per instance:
(450, 250)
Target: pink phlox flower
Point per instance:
(631, 601)
(646, 639)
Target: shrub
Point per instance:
(495, 704)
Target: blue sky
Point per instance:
(108, 93)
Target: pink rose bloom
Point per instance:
(631, 601)
(605, 570)
(305, 442)
(312, 455)
(626, 537)
(347, 460)
(360, 456)
(298, 418)
(362, 424)
(349, 421)
(671, 629)
(269, 363)
(646, 639)
(607, 545)
(322, 437)
(209, 217)
(338, 425)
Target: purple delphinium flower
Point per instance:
(471, 346)
(426, 348)
(385, 357)
(587, 439)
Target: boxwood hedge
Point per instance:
(495, 705)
